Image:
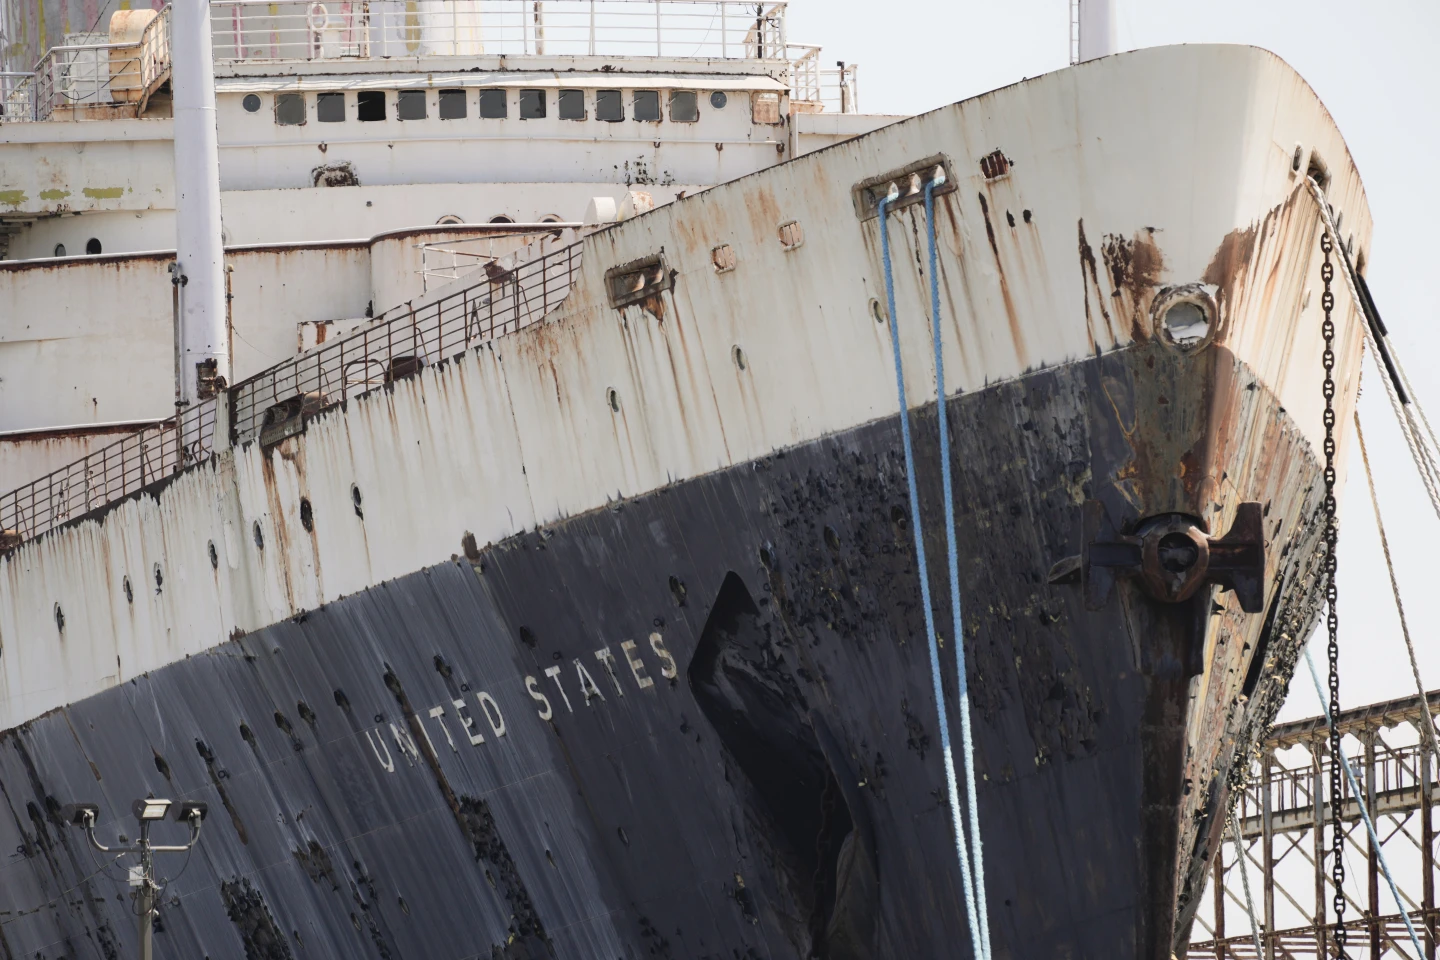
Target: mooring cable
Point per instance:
(967, 882)
(967, 743)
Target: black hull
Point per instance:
(776, 791)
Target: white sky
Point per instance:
(1373, 65)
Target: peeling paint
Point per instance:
(104, 193)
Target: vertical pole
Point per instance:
(1373, 866)
(592, 28)
(1097, 29)
(198, 253)
(145, 896)
(724, 32)
(1427, 841)
(1267, 846)
(1317, 833)
(1219, 883)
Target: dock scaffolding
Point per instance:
(1288, 860)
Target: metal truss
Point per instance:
(1287, 857)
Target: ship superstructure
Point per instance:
(571, 607)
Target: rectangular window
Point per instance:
(289, 109)
(571, 104)
(609, 105)
(683, 108)
(330, 107)
(647, 105)
(370, 105)
(532, 104)
(410, 105)
(452, 104)
(765, 107)
(492, 104)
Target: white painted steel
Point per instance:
(519, 433)
(1097, 25)
(204, 336)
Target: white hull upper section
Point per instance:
(1184, 150)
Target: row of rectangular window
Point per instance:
(494, 104)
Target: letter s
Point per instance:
(668, 669)
(533, 686)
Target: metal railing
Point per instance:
(392, 349)
(109, 474)
(90, 74)
(444, 261)
(834, 89)
(332, 29)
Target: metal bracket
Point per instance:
(1170, 556)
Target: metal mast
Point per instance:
(200, 259)
(1092, 29)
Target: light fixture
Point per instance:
(191, 811)
(79, 814)
(150, 809)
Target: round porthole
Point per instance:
(449, 218)
(92, 246)
(718, 99)
(1185, 317)
(59, 249)
(251, 103)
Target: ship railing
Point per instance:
(106, 475)
(389, 350)
(251, 30)
(78, 76)
(445, 261)
(820, 88)
(276, 401)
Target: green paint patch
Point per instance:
(54, 194)
(104, 193)
(13, 198)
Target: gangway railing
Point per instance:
(250, 30)
(390, 349)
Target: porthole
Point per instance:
(502, 219)
(159, 579)
(258, 534)
(718, 99)
(59, 618)
(307, 515)
(449, 218)
(355, 499)
(251, 103)
(877, 311)
(128, 590)
(1185, 317)
(723, 257)
(59, 249)
(613, 398)
(738, 355)
(1297, 158)
(92, 246)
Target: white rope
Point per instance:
(1425, 460)
(1245, 881)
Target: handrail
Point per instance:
(289, 393)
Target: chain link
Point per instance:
(1332, 621)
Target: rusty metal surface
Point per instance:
(593, 826)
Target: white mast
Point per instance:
(204, 353)
(1095, 23)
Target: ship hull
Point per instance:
(735, 751)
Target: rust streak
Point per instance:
(1016, 334)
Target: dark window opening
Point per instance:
(452, 104)
(410, 105)
(532, 104)
(370, 105)
(492, 105)
(501, 219)
(251, 103)
(59, 249)
(647, 106)
(683, 108)
(92, 246)
(290, 109)
(609, 105)
(718, 99)
(571, 104)
(330, 107)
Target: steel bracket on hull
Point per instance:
(1170, 556)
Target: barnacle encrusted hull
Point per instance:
(698, 723)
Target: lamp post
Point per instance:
(147, 811)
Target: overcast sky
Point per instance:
(1374, 67)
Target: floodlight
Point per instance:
(190, 810)
(79, 814)
(150, 809)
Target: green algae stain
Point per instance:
(104, 193)
(54, 194)
(13, 198)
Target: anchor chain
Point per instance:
(1332, 621)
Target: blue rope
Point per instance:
(1365, 812)
(967, 745)
(967, 882)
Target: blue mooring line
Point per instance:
(979, 931)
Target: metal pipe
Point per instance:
(1097, 29)
(199, 251)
